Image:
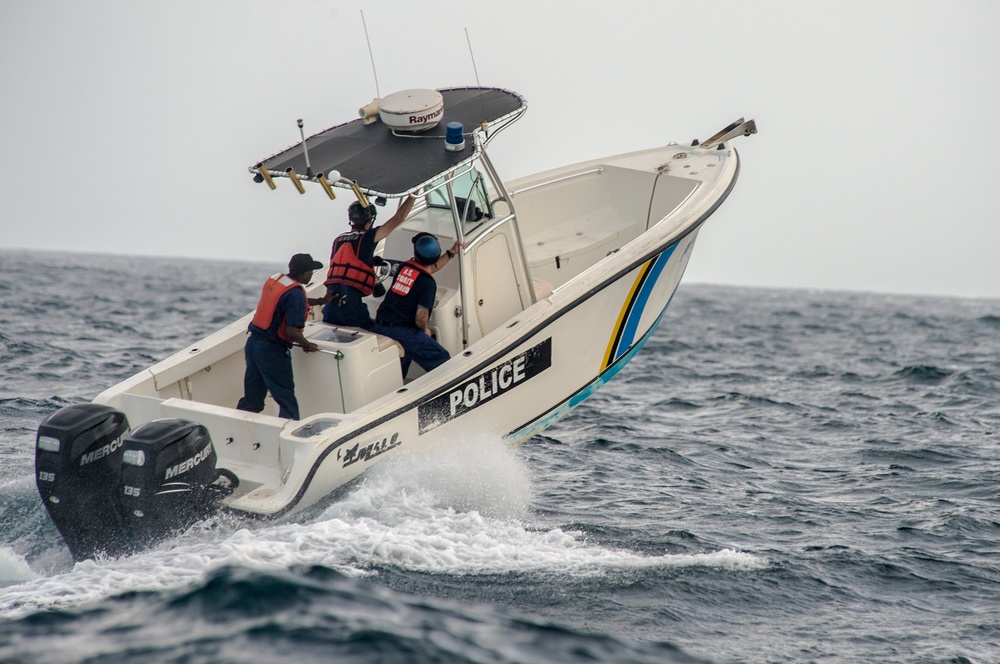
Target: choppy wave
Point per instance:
(777, 476)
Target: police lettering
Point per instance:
(488, 385)
(492, 383)
(187, 465)
(101, 452)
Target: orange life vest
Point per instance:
(276, 286)
(407, 277)
(346, 268)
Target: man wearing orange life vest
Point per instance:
(405, 312)
(276, 325)
(352, 274)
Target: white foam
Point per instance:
(457, 509)
(13, 568)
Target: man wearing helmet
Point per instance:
(406, 310)
(352, 274)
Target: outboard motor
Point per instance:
(169, 478)
(78, 460)
(114, 492)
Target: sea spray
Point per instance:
(13, 568)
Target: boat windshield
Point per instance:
(471, 199)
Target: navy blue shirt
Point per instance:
(292, 306)
(399, 309)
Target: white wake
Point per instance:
(461, 508)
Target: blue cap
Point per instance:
(426, 248)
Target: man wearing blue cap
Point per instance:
(277, 324)
(406, 310)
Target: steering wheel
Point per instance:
(385, 268)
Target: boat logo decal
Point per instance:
(484, 387)
(421, 119)
(103, 451)
(358, 453)
(188, 464)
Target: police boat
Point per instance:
(562, 278)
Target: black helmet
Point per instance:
(360, 215)
(426, 248)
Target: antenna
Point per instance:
(476, 71)
(305, 148)
(370, 55)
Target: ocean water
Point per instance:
(779, 476)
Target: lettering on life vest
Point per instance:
(404, 280)
(490, 384)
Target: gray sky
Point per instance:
(128, 127)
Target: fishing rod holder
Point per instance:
(326, 186)
(266, 176)
(362, 198)
(293, 176)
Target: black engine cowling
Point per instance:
(78, 457)
(114, 491)
(168, 473)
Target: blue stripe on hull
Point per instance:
(579, 397)
(635, 314)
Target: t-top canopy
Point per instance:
(391, 164)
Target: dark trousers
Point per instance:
(269, 369)
(346, 308)
(419, 347)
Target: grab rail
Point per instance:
(599, 171)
